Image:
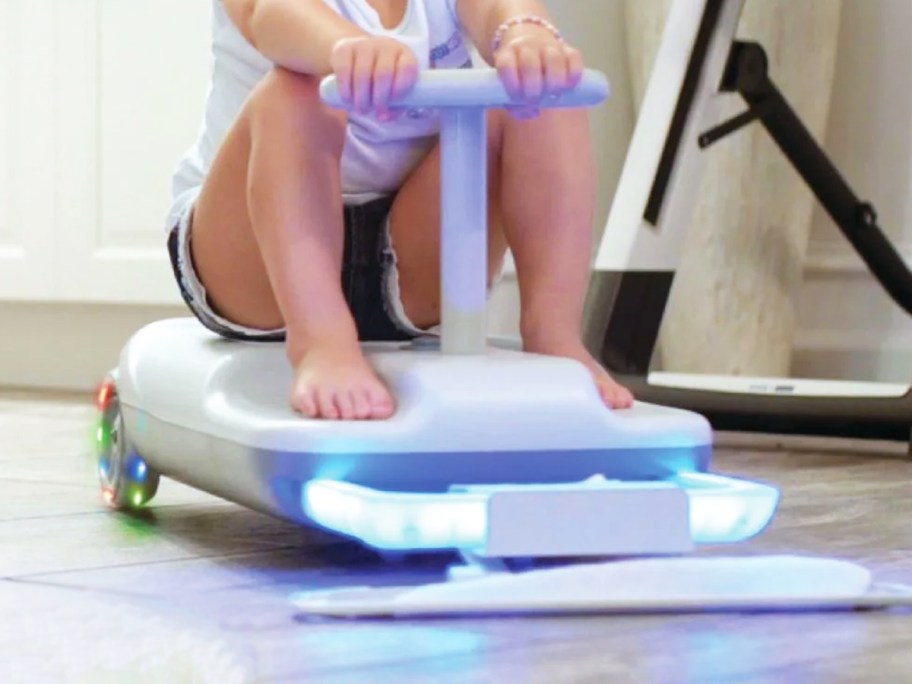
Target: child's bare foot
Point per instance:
(614, 395)
(337, 383)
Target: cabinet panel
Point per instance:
(135, 87)
(26, 149)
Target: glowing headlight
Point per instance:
(726, 510)
(398, 521)
(721, 510)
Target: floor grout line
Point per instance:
(102, 511)
(73, 587)
(56, 483)
(165, 561)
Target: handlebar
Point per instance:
(465, 88)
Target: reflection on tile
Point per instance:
(316, 562)
(44, 487)
(66, 468)
(320, 652)
(54, 635)
(24, 499)
(106, 539)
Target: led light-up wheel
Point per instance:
(126, 479)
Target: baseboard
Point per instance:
(70, 347)
(833, 258)
(65, 347)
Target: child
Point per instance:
(282, 198)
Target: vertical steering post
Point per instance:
(463, 96)
(464, 230)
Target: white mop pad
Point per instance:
(630, 586)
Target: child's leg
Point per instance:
(267, 241)
(549, 190)
(542, 205)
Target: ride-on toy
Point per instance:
(493, 452)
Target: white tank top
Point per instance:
(377, 157)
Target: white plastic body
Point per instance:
(630, 243)
(623, 520)
(497, 450)
(183, 375)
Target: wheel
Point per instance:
(127, 481)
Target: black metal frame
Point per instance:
(747, 74)
(626, 308)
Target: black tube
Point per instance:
(856, 219)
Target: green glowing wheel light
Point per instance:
(127, 481)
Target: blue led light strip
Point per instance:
(722, 510)
(398, 521)
(725, 510)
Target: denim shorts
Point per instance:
(370, 279)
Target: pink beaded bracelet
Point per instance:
(516, 21)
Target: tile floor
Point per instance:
(197, 589)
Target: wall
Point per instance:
(848, 326)
(90, 113)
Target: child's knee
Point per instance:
(294, 98)
(290, 87)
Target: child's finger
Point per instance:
(342, 63)
(384, 75)
(575, 66)
(530, 74)
(363, 79)
(508, 71)
(556, 72)
(406, 74)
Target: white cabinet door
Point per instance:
(133, 78)
(27, 212)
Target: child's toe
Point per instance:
(381, 403)
(303, 401)
(327, 405)
(362, 404)
(345, 405)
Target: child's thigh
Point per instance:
(225, 251)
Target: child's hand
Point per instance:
(372, 72)
(534, 65)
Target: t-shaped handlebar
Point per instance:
(459, 88)
(462, 97)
